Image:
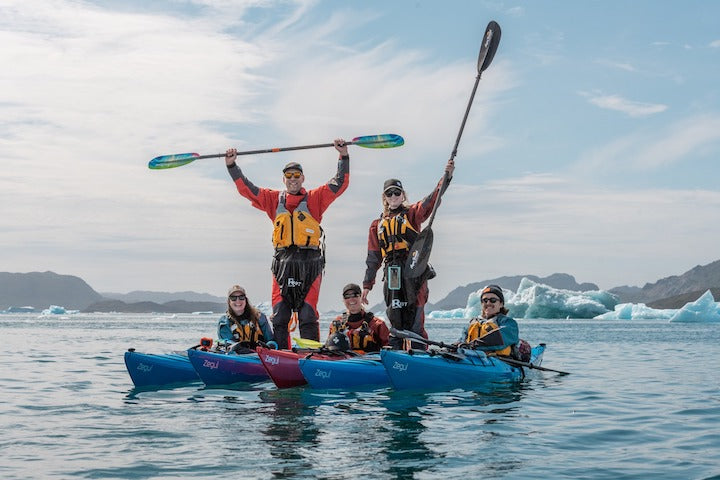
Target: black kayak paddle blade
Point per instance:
(419, 254)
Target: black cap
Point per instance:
(494, 289)
(293, 166)
(352, 287)
(392, 183)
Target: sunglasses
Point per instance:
(490, 300)
(293, 174)
(393, 192)
(235, 298)
(351, 295)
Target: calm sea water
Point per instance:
(642, 402)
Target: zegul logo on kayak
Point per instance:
(144, 368)
(272, 360)
(210, 364)
(400, 367)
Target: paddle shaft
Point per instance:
(414, 336)
(446, 179)
(512, 361)
(421, 339)
(272, 150)
(491, 40)
(509, 361)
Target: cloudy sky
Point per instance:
(592, 146)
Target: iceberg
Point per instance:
(636, 311)
(266, 308)
(57, 310)
(536, 300)
(54, 310)
(704, 309)
(26, 309)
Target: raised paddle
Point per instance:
(420, 250)
(368, 141)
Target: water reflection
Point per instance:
(291, 429)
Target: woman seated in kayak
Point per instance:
(244, 325)
(494, 332)
(364, 331)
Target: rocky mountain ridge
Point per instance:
(42, 289)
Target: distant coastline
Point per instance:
(19, 292)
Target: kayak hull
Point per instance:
(418, 370)
(283, 366)
(227, 369)
(354, 373)
(157, 370)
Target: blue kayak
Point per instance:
(355, 373)
(157, 370)
(227, 368)
(436, 370)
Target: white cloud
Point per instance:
(561, 224)
(715, 44)
(93, 94)
(630, 107)
(642, 151)
(619, 65)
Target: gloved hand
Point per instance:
(272, 344)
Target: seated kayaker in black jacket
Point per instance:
(365, 331)
(493, 332)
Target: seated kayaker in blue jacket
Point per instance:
(493, 332)
(244, 324)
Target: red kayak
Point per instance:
(283, 367)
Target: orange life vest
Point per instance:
(297, 228)
(395, 234)
(481, 329)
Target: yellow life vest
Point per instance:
(297, 228)
(479, 329)
(395, 233)
(247, 333)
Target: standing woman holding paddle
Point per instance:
(395, 240)
(299, 257)
(390, 240)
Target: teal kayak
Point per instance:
(438, 370)
(159, 370)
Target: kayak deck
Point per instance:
(350, 374)
(449, 370)
(227, 369)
